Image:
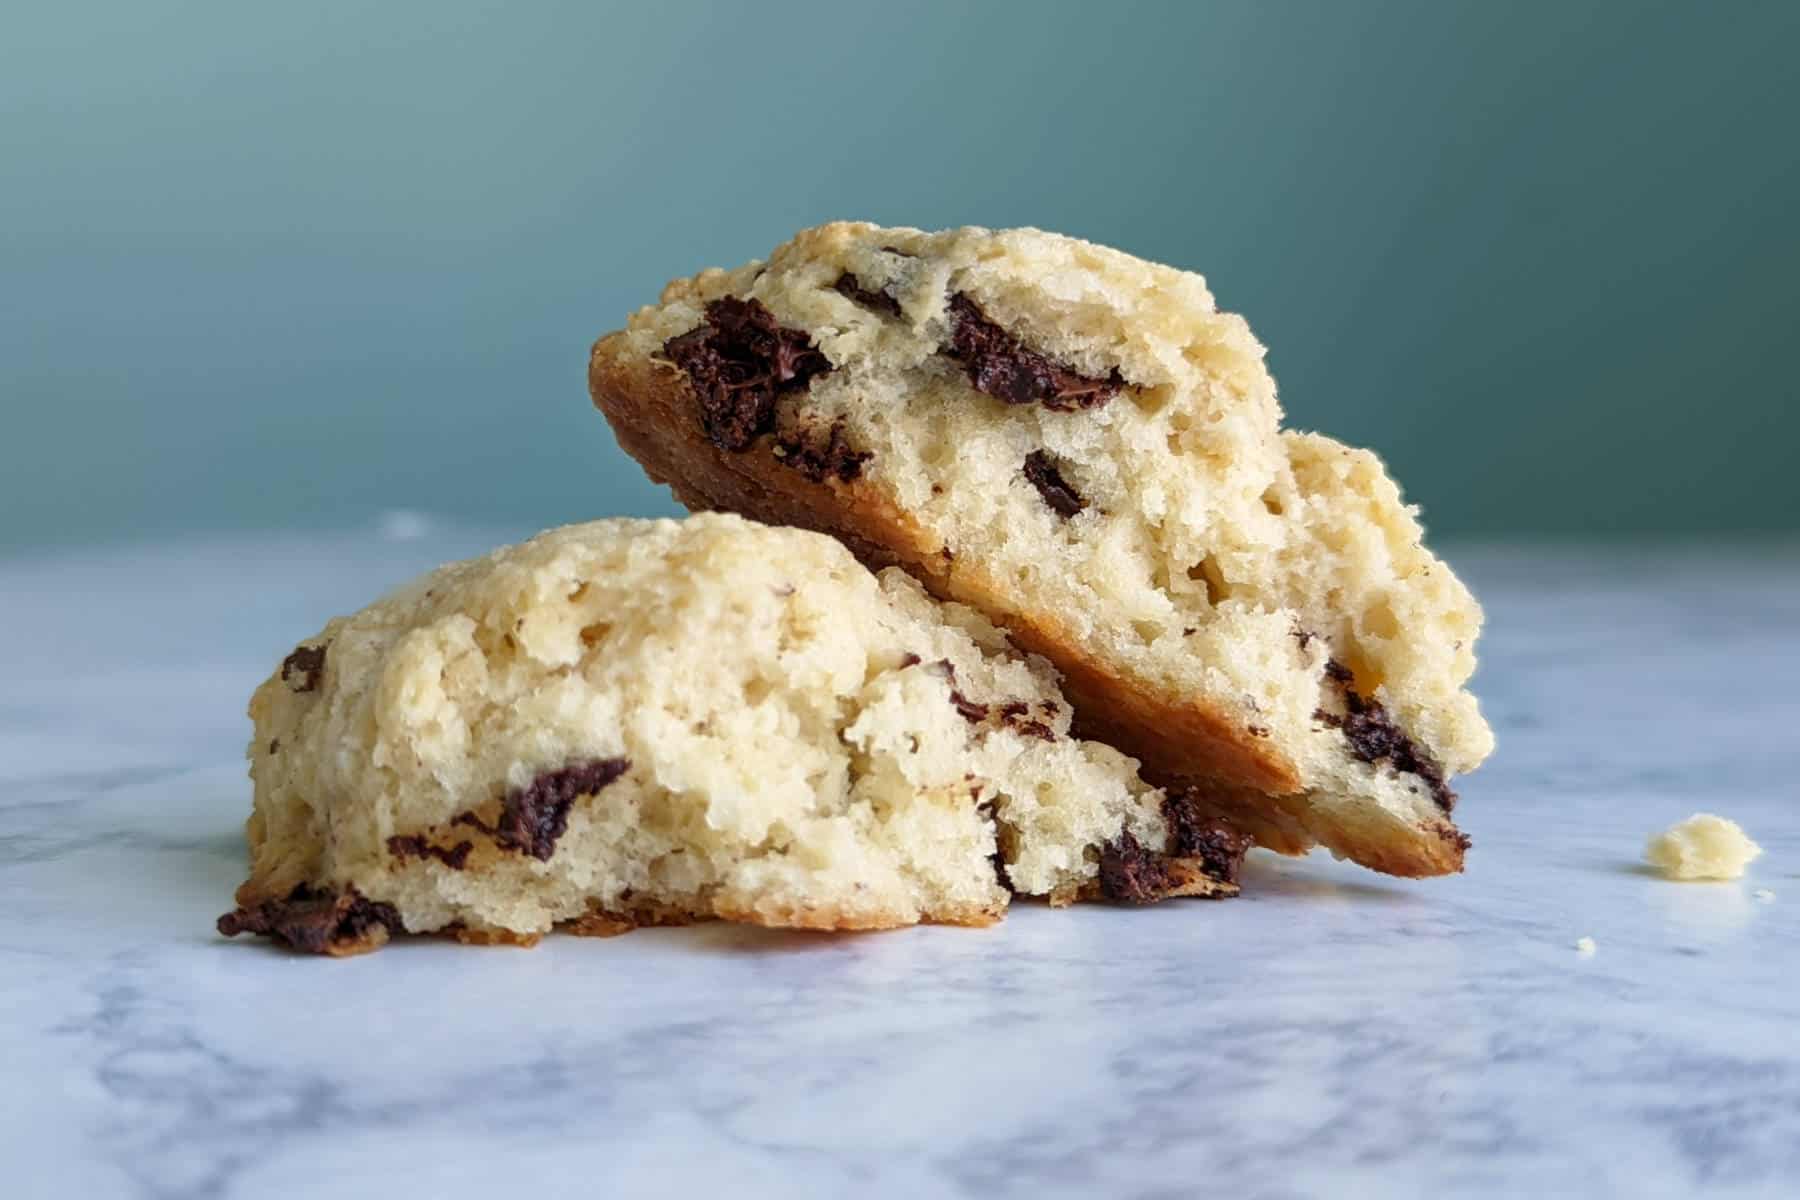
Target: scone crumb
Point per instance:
(1704, 846)
(1764, 895)
(1585, 947)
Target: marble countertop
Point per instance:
(1331, 1033)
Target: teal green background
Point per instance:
(275, 266)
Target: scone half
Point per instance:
(652, 722)
(1081, 446)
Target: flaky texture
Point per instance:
(1077, 443)
(647, 722)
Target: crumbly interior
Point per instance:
(1214, 555)
(798, 743)
(1704, 846)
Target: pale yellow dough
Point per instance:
(1702, 847)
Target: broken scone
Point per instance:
(645, 722)
(1080, 445)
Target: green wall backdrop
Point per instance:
(293, 265)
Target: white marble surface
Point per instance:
(1332, 1033)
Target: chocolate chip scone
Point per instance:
(634, 722)
(1080, 445)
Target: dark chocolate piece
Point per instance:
(739, 363)
(1132, 874)
(1016, 716)
(418, 846)
(1374, 737)
(303, 669)
(1041, 470)
(971, 711)
(998, 364)
(315, 921)
(533, 817)
(818, 461)
(1193, 834)
(848, 287)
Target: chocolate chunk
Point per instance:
(274, 745)
(909, 660)
(822, 459)
(1374, 737)
(418, 846)
(1016, 716)
(739, 363)
(847, 287)
(303, 669)
(1193, 834)
(1041, 470)
(998, 364)
(1132, 874)
(998, 861)
(971, 711)
(317, 921)
(533, 817)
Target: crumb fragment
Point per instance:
(1585, 947)
(1764, 895)
(1704, 846)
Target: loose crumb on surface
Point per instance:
(1765, 895)
(1704, 846)
(1585, 947)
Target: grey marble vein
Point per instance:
(1332, 1033)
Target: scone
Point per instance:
(1080, 445)
(645, 722)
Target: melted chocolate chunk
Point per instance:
(1063, 499)
(909, 660)
(1132, 874)
(303, 669)
(1374, 737)
(1193, 834)
(998, 364)
(740, 362)
(418, 846)
(848, 287)
(316, 921)
(819, 460)
(533, 817)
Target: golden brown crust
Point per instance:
(1290, 824)
(493, 937)
(650, 408)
